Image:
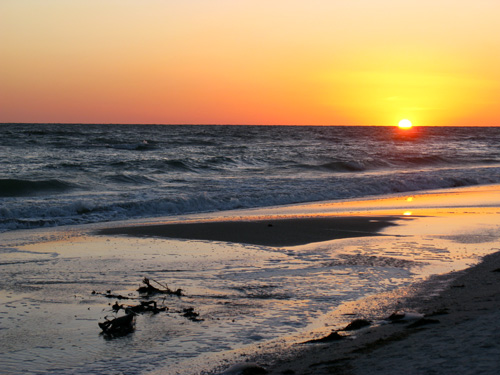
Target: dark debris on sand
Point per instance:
(334, 336)
(144, 306)
(191, 314)
(123, 325)
(118, 327)
(150, 290)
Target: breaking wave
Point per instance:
(91, 173)
(21, 188)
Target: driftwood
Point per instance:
(149, 289)
(108, 294)
(119, 326)
(125, 324)
(145, 306)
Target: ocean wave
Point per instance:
(393, 163)
(88, 173)
(191, 141)
(425, 160)
(335, 166)
(19, 187)
(175, 164)
(139, 146)
(354, 166)
(90, 207)
(199, 165)
(69, 132)
(127, 178)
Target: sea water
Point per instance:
(250, 298)
(52, 175)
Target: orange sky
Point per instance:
(338, 62)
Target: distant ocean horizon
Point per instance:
(254, 301)
(63, 174)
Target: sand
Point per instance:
(458, 330)
(269, 232)
(50, 273)
(462, 334)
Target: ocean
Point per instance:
(253, 301)
(63, 174)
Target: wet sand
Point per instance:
(49, 275)
(454, 331)
(457, 331)
(269, 232)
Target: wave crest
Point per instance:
(19, 188)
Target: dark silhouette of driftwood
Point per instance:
(125, 324)
(120, 326)
(149, 289)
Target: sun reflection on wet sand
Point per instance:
(250, 296)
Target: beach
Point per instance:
(456, 331)
(249, 187)
(270, 232)
(260, 294)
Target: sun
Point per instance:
(405, 124)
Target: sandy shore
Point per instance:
(457, 331)
(269, 232)
(265, 281)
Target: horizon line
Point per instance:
(214, 124)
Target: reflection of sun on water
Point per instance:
(405, 124)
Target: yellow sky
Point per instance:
(338, 62)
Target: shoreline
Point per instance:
(459, 331)
(304, 272)
(467, 304)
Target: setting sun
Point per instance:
(405, 124)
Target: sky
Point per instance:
(314, 62)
